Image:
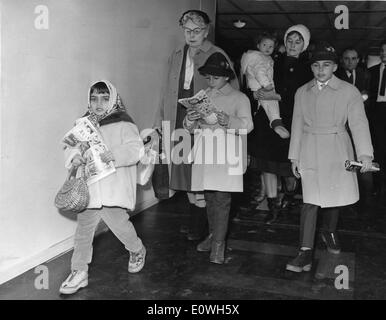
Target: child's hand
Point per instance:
(78, 160)
(367, 163)
(295, 168)
(193, 115)
(223, 118)
(107, 156)
(261, 94)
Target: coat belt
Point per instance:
(325, 130)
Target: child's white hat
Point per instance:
(303, 30)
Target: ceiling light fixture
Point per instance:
(239, 24)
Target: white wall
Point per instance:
(45, 75)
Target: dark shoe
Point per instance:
(184, 229)
(205, 245)
(332, 242)
(278, 127)
(302, 262)
(217, 252)
(193, 236)
(271, 218)
(274, 208)
(282, 132)
(259, 198)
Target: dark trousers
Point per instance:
(379, 129)
(218, 205)
(366, 188)
(308, 218)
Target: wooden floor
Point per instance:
(254, 268)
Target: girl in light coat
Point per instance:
(113, 195)
(219, 153)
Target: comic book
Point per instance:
(87, 137)
(203, 105)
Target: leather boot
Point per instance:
(274, 209)
(205, 245)
(197, 223)
(217, 252)
(220, 229)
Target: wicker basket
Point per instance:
(73, 195)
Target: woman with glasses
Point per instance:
(183, 80)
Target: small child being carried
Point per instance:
(257, 66)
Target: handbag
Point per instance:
(74, 195)
(160, 177)
(145, 166)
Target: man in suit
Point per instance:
(377, 98)
(350, 72)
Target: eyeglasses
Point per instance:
(195, 31)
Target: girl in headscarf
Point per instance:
(113, 195)
(183, 80)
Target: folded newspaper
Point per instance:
(201, 103)
(86, 136)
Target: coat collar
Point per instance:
(205, 47)
(224, 91)
(333, 83)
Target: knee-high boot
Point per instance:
(220, 229)
(206, 244)
(197, 223)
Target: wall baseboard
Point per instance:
(58, 249)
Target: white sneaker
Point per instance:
(137, 260)
(75, 281)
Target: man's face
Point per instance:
(383, 53)
(350, 60)
(323, 69)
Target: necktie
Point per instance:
(383, 83)
(351, 78)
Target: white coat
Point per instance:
(321, 143)
(225, 172)
(118, 189)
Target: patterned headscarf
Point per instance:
(115, 103)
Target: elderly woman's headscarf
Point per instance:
(115, 105)
(198, 17)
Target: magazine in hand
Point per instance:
(86, 136)
(351, 165)
(201, 103)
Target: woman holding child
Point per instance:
(270, 151)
